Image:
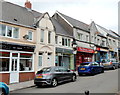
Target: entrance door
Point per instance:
(14, 74)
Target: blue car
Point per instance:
(90, 68)
(4, 89)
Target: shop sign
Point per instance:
(101, 49)
(81, 49)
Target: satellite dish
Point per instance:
(26, 37)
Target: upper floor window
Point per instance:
(56, 39)
(49, 36)
(110, 41)
(30, 34)
(42, 36)
(65, 41)
(114, 42)
(103, 43)
(87, 38)
(9, 31)
(80, 36)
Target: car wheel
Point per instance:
(73, 78)
(102, 71)
(2, 92)
(93, 72)
(113, 67)
(54, 82)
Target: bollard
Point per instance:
(87, 92)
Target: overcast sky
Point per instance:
(102, 12)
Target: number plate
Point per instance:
(82, 69)
(39, 77)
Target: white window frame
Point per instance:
(6, 32)
(42, 36)
(32, 35)
(11, 51)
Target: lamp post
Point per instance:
(74, 45)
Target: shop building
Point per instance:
(84, 55)
(23, 45)
(79, 31)
(63, 44)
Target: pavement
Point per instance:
(21, 85)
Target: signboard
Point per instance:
(87, 50)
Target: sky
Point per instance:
(102, 12)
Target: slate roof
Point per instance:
(59, 29)
(76, 23)
(11, 12)
(108, 31)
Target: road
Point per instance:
(106, 82)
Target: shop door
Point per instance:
(14, 74)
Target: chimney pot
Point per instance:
(28, 4)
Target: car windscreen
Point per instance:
(44, 71)
(85, 64)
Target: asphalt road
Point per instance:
(106, 82)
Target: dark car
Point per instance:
(4, 89)
(54, 75)
(90, 68)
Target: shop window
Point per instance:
(25, 55)
(4, 54)
(26, 62)
(4, 64)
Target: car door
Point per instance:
(58, 74)
(95, 67)
(66, 73)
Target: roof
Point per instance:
(16, 14)
(76, 23)
(108, 31)
(59, 28)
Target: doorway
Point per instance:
(14, 68)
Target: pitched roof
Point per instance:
(76, 23)
(108, 31)
(59, 29)
(16, 14)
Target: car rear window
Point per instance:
(44, 71)
(84, 64)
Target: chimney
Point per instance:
(28, 4)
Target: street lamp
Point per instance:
(74, 45)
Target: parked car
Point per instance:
(90, 68)
(4, 89)
(110, 63)
(54, 75)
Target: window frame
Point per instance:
(30, 31)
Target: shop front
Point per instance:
(16, 62)
(64, 57)
(84, 55)
(101, 54)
